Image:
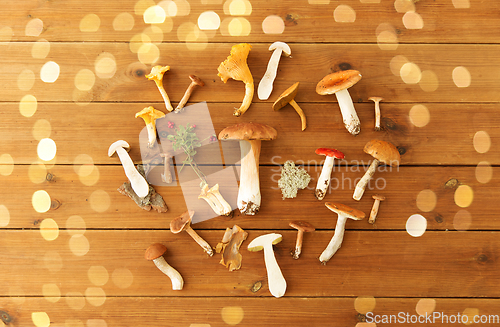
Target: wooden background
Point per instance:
(81, 262)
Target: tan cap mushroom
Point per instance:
(183, 223)
(288, 97)
(250, 136)
(157, 76)
(376, 204)
(338, 83)
(302, 227)
(155, 253)
(150, 115)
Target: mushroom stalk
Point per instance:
(201, 242)
(361, 186)
(175, 277)
(276, 281)
(247, 100)
(195, 81)
(298, 244)
(213, 197)
(151, 128)
(336, 240)
(166, 177)
(249, 197)
(374, 211)
(377, 111)
(164, 95)
(349, 115)
(324, 178)
(138, 183)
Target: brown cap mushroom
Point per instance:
(195, 81)
(155, 253)
(338, 83)
(288, 97)
(183, 223)
(250, 136)
(381, 151)
(302, 227)
(373, 213)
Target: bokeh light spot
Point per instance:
(123, 22)
(99, 201)
(403, 6)
(41, 129)
(53, 261)
(40, 49)
(98, 275)
(75, 225)
(95, 296)
(51, 292)
(232, 315)
(122, 278)
(237, 26)
(464, 195)
(154, 15)
(105, 65)
(419, 115)
(429, 81)
(26, 80)
(6, 34)
(41, 201)
(208, 20)
(152, 34)
(462, 220)
(410, 73)
(387, 40)
(50, 72)
(170, 7)
(426, 200)
(90, 23)
(470, 313)
(416, 225)
(6, 164)
(96, 323)
(34, 27)
(73, 323)
(365, 304)
(461, 3)
(46, 149)
(49, 229)
(136, 42)
(79, 245)
(183, 8)
(148, 53)
(37, 172)
(142, 5)
(461, 76)
(344, 14)
(28, 105)
(40, 319)
(425, 307)
(75, 300)
(273, 25)
(237, 7)
(413, 21)
(4, 216)
(397, 63)
(84, 80)
(482, 142)
(484, 172)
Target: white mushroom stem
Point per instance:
(374, 211)
(215, 200)
(266, 83)
(349, 115)
(249, 191)
(151, 128)
(275, 279)
(324, 178)
(164, 95)
(166, 177)
(336, 240)
(361, 186)
(201, 242)
(138, 183)
(175, 277)
(377, 115)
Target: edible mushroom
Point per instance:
(381, 151)
(155, 253)
(250, 136)
(344, 212)
(157, 76)
(377, 111)
(183, 223)
(338, 83)
(137, 181)
(287, 97)
(236, 67)
(195, 81)
(166, 177)
(326, 171)
(266, 83)
(150, 115)
(275, 279)
(376, 204)
(302, 227)
(215, 200)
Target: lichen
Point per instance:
(292, 179)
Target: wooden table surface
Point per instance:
(73, 77)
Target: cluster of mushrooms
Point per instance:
(250, 136)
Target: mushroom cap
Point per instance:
(149, 114)
(155, 251)
(116, 145)
(286, 97)
(281, 45)
(235, 66)
(157, 72)
(259, 242)
(196, 80)
(337, 81)
(378, 197)
(248, 131)
(345, 210)
(180, 223)
(384, 152)
(330, 153)
(301, 225)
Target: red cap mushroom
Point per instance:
(326, 171)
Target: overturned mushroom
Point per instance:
(150, 115)
(157, 76)
(155, 253)
(236, 67)
(338, 83)
(250, 136)
(195, 81)
(377, 111)
(376, 204)
(215, 200)
(183, 223)
(302, 227)
(344, 212)
(287, 97)
(266, 83)
(231, 242)
(326, 171)
(381, 151)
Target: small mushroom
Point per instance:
(215, 200)
(157, 76)
(150, 115)
(155, 253)
(302, 227)
(338, 83)
(266, 83)
(287, 97)
(137, 181)
(195, 81)
(381, 151)
(275, 279)
(377, 111)
(376, 204)
(250, 136)
(183, 223)
(326, 171)
(236, 67)
(166, 177)
(231, 257)
(344, 212)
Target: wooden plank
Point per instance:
(430, 68)
(209, 312)
(449, 138)
(378, 264)
(443, 22)
(431, 191)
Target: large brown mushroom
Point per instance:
(288, 97)
(250, 136)
(183, 223)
